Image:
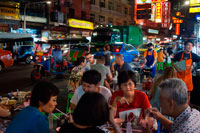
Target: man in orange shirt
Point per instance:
(150, 56)
(160, 59)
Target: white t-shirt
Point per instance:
(79, 92)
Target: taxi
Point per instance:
(5, 59)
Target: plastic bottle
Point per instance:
(129, 127)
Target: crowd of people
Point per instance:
(94, 104)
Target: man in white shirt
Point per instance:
(90, 83)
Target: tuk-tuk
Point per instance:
(46, 57)
(20, 45)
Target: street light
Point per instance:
(48, 2)
(187, 2)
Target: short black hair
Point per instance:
(79, 61)
(91, 77)
(149, 44)
(88, 54)
(91, 110)
(124, 76)
(188, 41)
(42, 92)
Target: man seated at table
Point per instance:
(119, 64)
(174, 102)
(90, 83)
(127, 98)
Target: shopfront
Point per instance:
(79, 28)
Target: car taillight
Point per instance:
(117, 50)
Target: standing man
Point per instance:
(160, 61)
(150, 58)
(189, 57)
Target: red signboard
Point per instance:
(166, 13)
(158, 12)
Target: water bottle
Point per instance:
(129, 127)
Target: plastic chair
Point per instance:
(69, 97)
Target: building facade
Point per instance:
(115, 12)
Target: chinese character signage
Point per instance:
(143, 1)
(166, 12)
(158, 12)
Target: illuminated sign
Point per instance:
(153, 31)
(143, 1)
(159, 1)
(177, 29)
(166, 14)
(9, 13)
(158, 12)
(80, 24)
(194, 2)
(197, 17)
(194, 10)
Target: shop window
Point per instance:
(92, 17)
(71, 12)
(92, 2)
(102, 3)
(102, 18)
(83, 15)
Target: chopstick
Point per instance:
(67, 115)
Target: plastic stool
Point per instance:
(69, 97)
(160, 66)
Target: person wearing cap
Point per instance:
(189, 57)
(150, 56)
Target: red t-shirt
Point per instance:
(140, 101)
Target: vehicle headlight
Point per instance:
(45, 58)
(111, 57)
(31, 57)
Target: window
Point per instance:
(102, 3)
(83, 5)
(125, 23)
(125, 11)
(92, 2)
(130, 47)
(118, 8)
(101, 18)
(110, 6)
(125, 48)
(71, 12)
(83, 15)
(92, 17)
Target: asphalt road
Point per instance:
(18, 77)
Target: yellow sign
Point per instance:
(80, 24)
(158, 12)
(9, 13)
(194, 10)
(194, 2)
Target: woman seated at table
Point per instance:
(91, 112)
(31, 119)
(127, 98)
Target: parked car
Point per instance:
(5, 59)
(127, 50)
